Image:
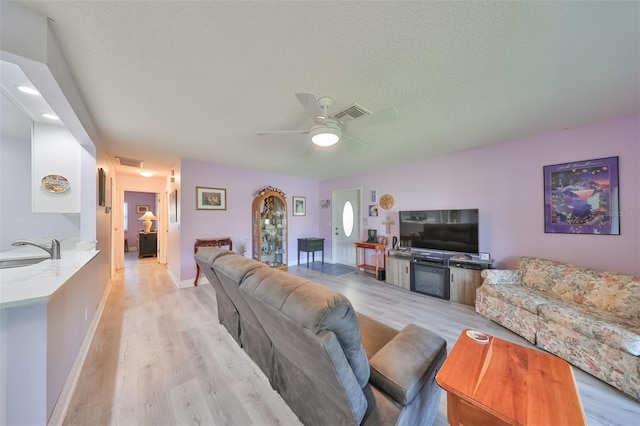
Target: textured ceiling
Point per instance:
(172, 79)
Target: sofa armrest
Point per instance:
(501, 276)
(407, 362)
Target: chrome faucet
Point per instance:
(54, 250)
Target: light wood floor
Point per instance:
(159, 356)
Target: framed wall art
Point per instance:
(211, 198)
(173, 206)
(582, 197)
(299, 206)
(102, 182)
(140, 209)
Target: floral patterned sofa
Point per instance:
(589, 317)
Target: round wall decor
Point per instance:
(386, 201)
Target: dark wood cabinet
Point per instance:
(147, 244)
(310, 245)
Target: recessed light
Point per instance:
(28, 90)
(50, 116)
(147, 173)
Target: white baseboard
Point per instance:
(185, 283)
(64, 400)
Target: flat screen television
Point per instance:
(443, 230)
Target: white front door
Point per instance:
(346, 225)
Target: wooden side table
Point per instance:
(310, 245)
(496, 382)
(380, 261)
(209, 242)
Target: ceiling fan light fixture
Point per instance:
(325, 134)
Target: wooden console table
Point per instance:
(209, 242)
(310, 245)
(380, 261)
(502, 383)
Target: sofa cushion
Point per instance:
(404, 364)
(605, 327)
(501, 276)
(541, 274)
(315, 308)
(374, 334)
(237, 267)
(207, 255)
(520, 321)
(518, 295)
(603, 290)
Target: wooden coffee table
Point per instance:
(501, 383)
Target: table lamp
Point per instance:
(147, 217)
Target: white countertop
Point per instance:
(37, 283)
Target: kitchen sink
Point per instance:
(16, 263)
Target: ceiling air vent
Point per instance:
(130, 162)
(350, 113)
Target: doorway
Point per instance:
(135, 205)
(345, 217)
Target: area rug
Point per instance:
(333, 269)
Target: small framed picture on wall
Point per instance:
(211, 198)
(299, 206)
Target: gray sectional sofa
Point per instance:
(331, 365)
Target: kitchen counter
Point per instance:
(37, 283)
(48, 313)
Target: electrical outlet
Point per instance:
(86, 313)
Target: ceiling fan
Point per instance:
(328, 130)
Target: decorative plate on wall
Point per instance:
(55, 183)
(386, 201)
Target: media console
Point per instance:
(465, 263)
(449, 276)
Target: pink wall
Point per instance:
(235, 222)
(505, 182)
(135, 199)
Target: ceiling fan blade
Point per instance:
(380, 117)
(355, 145)
(311, 105)
(274, 132)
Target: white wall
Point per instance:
(24, 329)
(17, 220)
(54, 151)
(69, 314)
(174, 234)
